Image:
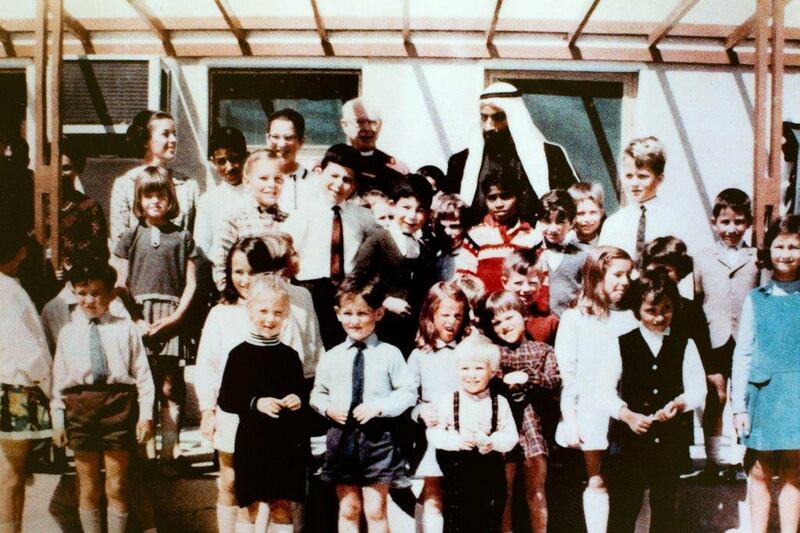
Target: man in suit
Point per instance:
(508, 136)
(362, 123)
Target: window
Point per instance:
(586, 113)
(13, 102)
(243, 100)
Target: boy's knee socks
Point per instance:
(245, 527)
(595, 510)
(170, 416)
(432, 522)
(226, 518)
(90, 520)
(280, 528)
(117, 522)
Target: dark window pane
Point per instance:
(585, 117)
(103, 92)
(243, 100)
(13, 102)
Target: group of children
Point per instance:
(337, 338)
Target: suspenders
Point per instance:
(457, 407)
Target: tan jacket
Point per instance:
(723, 288)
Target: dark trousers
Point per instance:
(474, 491)
(625, 499)
(323, 294)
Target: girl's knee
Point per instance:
(596, 483)
(350, 509)
(375, 512)
(280, 511)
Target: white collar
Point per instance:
(652, 335)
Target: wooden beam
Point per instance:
(79, 31)
(8, 46)
(155, 25)
(40, 182)
(321, 30)
(235, 26)
(54, 103)
(675, 16)
(493, 24)
(744, 30)
(573, 35)
(773, 191)
(761, 216)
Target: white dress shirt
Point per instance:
(474, 419)
(311, 228)
(387, 381)
(24, 357)
(620, 229)
(299, 188)
(211, 210)
(694, 376)
(434, 374)
(126, 360)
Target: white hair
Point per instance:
(476, 347)
(368, 107)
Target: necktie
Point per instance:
(358, 376)
(337, 245)
(97, 357)
(640, 232)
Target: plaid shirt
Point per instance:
(249, 220)
(538, 361)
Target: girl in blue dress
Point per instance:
(766, 380)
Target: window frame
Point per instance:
(630, 86)
(309, 152)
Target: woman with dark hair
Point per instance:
(152, 137)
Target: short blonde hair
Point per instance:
(475, 347)
(647, 152)
(587, 190)
(256, 157)
(264, 285)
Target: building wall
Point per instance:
(702, 114)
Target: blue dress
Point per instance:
(773, 385)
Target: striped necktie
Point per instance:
(640, 232)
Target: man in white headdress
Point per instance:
(508, 136)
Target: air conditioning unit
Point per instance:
(101, 96)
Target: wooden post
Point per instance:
(40, 187)
(772, 187)
(759, 127)
(56, 48)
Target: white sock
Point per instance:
(226, 518)
(245, 527)
(90, 520)
(595, 510)
(117, 522)
(262, 518)
(432, 522)
(280, 528)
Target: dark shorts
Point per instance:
(720, 359)
(362, 455)
(101, 417)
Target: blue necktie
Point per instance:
(96, 355)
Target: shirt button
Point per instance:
(655, 367)
(655, 391)
(657, 440)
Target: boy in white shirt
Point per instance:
(102, 395)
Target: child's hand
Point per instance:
(515, 380)
(429, 415)
(365, 412)
(397, 306)
(292, 402)
(570, 433)
(669, 411)
(207, 424)
(741, 421)
(144, 431)
(337, 415)
(60, 437)
(142, 327)
(638, 423)
(468, 442)
(162, 326)
(269, 406)
(486, 447)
